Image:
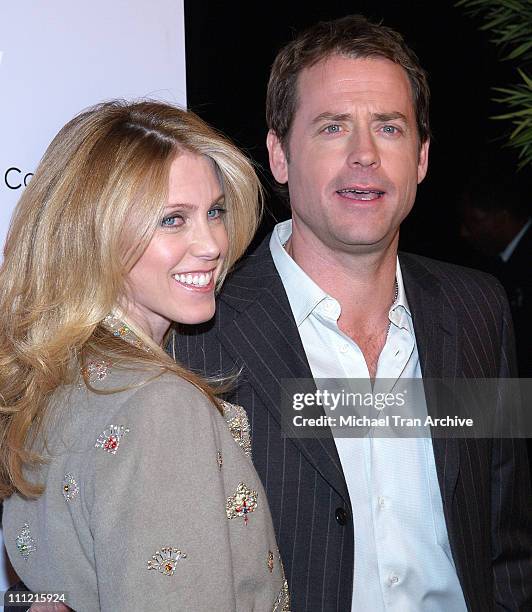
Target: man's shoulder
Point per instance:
(465, 290)
(256, 272)
(258, 259)
(252, 275)
(445, 273)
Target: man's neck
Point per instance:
(363, 281)
(364, 284)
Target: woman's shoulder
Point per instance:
(151, 402)
(167, 394)
(112, 389)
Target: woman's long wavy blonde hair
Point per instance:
(82, 223)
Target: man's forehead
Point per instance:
(373, 77)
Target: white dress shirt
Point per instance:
(510, 248)
(403, 561)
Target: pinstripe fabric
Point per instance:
(463, 329)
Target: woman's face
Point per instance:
(174, 280)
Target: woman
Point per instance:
(124, 486)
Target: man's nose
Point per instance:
(363, 151)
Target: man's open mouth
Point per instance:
(360, 194)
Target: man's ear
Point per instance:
(423, 161)
(278, 161)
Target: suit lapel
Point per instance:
(264, 339)
(438, 343)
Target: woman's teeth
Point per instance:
(196, 280)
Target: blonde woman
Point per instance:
(124, 487)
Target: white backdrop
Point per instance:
(60, 56)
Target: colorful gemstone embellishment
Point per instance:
(237, 420)
(25, 543)
(242, 503)
(219, 459)
(270, 561)
(282, 603)
(70, 488)
(165, 560)
(120, 330)
(95, 371)
(111, 437)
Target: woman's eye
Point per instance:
(172, 221)
(216, 213)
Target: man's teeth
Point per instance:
(196, 280)
(365, 191)
(361, 195)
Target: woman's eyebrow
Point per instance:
(180, 205)
(189, 206)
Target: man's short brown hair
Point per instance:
(352, 36)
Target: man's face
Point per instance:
(353, 160)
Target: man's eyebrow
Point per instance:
(339, 117)
(390, 116)
(331, 117)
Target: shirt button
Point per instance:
(341, 516)
(328, 306)
(393, 579)
(381, 501)
(344, 348)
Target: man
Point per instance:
(367, 524)
(496, 221)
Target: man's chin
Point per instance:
(365, 243)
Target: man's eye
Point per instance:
(216, 213)
(172, 221)
(332, 129)
(390, 129)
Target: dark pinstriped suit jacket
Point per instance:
(463, 329)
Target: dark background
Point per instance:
(230, 47)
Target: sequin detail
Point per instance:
(219, 459)
(165, 560)
(95, 371)
(111, 437)
(120, 330)
(237, 421)
(25, 543)
(270, 561)
(282, 603)
(242, 503)
(70, 488)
